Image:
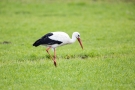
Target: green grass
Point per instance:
(107, 31)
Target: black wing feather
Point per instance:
(46, 40)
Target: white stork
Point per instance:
(55, 39)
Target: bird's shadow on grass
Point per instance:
(34, 57)
(5, 42)
(83, 56)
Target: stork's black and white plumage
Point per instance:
(55, 39)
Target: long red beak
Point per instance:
(79, 40)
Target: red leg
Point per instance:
(47, 50)
(55, 58)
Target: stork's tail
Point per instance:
(37, 43)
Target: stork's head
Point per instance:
(77, 35)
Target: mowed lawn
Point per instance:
(107, 30)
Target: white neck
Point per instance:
(73, 39)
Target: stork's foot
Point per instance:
(55, 64)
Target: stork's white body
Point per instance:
(60, 36)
